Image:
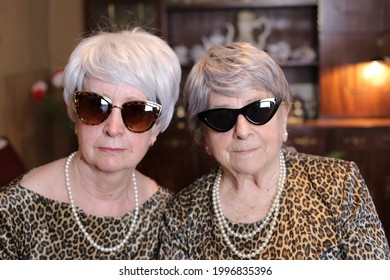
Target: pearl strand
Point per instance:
(264, 222)
(272, 213)
(87, 235)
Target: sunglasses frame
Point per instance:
(154, 105)
(202, 116)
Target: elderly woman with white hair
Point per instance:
(263, 201)
(120, 90)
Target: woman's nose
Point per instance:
(242, 128)
(114, 123)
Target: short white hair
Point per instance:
(129, 57)
(231, 70)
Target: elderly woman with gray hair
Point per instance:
(120, 90)
(263, 201)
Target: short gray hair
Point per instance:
(129, 57)
(231, 70)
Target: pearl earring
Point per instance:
(207, 150)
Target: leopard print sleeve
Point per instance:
(362, 234)
(172, 240)
(8, 226)
(187, 221)
(173, 235)
(7, 248)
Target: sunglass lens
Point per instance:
(92, 108)
(139, 116)
(221, 119)
(260, 112)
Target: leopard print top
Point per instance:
(35, 227)
(326, 213)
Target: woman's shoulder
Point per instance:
(150, 190)
(328, 177)
(197, 193)
(42, 179)
(311, 163)
(164, 192)
(201, 185)
(15, 198)
(12, 189)
(162, 196)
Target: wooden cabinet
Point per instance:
(358, 30)
(364, 141)
(352, 34)
(293, 24)
(351, 16)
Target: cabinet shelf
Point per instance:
(292, 23)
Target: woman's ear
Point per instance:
(207, 149)
(285, 112)
(153, 137)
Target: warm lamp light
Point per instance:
(375, 72)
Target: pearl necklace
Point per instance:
(87, 235)
(272, 213)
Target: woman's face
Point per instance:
(246, 148)
(110, 146)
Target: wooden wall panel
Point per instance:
(352, 34)
(36, 38)
(347, 92)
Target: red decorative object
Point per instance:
(48, 95)
(39, 90)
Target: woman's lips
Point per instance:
(245, 151)
(111, 150)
